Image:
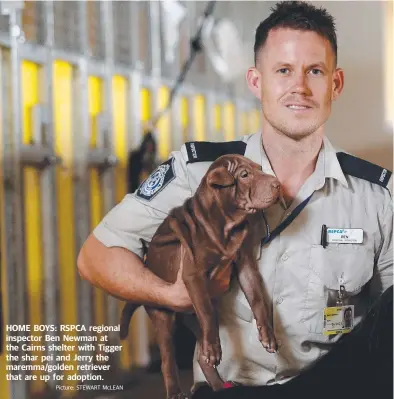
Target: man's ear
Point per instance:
(338, 83)
(253, 79)
(220, 177)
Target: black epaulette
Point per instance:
(208, 151)
(363, 169)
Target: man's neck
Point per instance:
(292, 161)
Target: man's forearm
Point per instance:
(122, 274)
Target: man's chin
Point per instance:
(298, 133)
(296, 128)
(298, 136)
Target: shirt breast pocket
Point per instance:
(348, 265)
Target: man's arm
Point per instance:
(127, 278)
(383, 276)
(111, 257)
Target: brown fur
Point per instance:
(213, 231)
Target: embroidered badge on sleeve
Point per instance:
(159, 179)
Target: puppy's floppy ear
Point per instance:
(220, 177)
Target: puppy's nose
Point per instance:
(275, 185)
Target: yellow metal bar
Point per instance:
(63, 116)
(185, 118)
(146, 115)
(244, 123)
(4, 384)
(217, 112)
(199, 118)
(119, 94)
(254, 121)
(229, 121)
(95, 89)
(119, 98)
(163, 126)
(146, 107)
(32, 213)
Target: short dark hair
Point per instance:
(297, 15)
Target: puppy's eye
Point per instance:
(244, 174)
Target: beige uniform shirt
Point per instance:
(301, 276)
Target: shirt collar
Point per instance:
(332, 167)
(255, 152)
(327, 165)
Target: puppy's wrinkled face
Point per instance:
(242, 184)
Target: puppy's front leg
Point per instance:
(197, 286)
(252, 285)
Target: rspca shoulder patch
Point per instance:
(363, 169)
(159, 178)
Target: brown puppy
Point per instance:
(214, 230)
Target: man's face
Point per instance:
(296, 80)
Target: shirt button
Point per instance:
(279, 300)
(285, 257)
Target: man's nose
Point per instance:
(300, 84)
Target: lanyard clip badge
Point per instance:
(323, 239)
(339, 319)
(341, 295)
(341, 301)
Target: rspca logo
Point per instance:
(160, 178)
(155, 181)
(335, 231)
(383, 175)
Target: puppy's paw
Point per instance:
(211, 353)
(267, 339)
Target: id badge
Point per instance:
(338, 319)
(345, 236)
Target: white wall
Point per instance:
(357, 123)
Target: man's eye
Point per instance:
(244, 174)
(283, 70)
(316, 71)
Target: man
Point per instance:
(296, 78)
